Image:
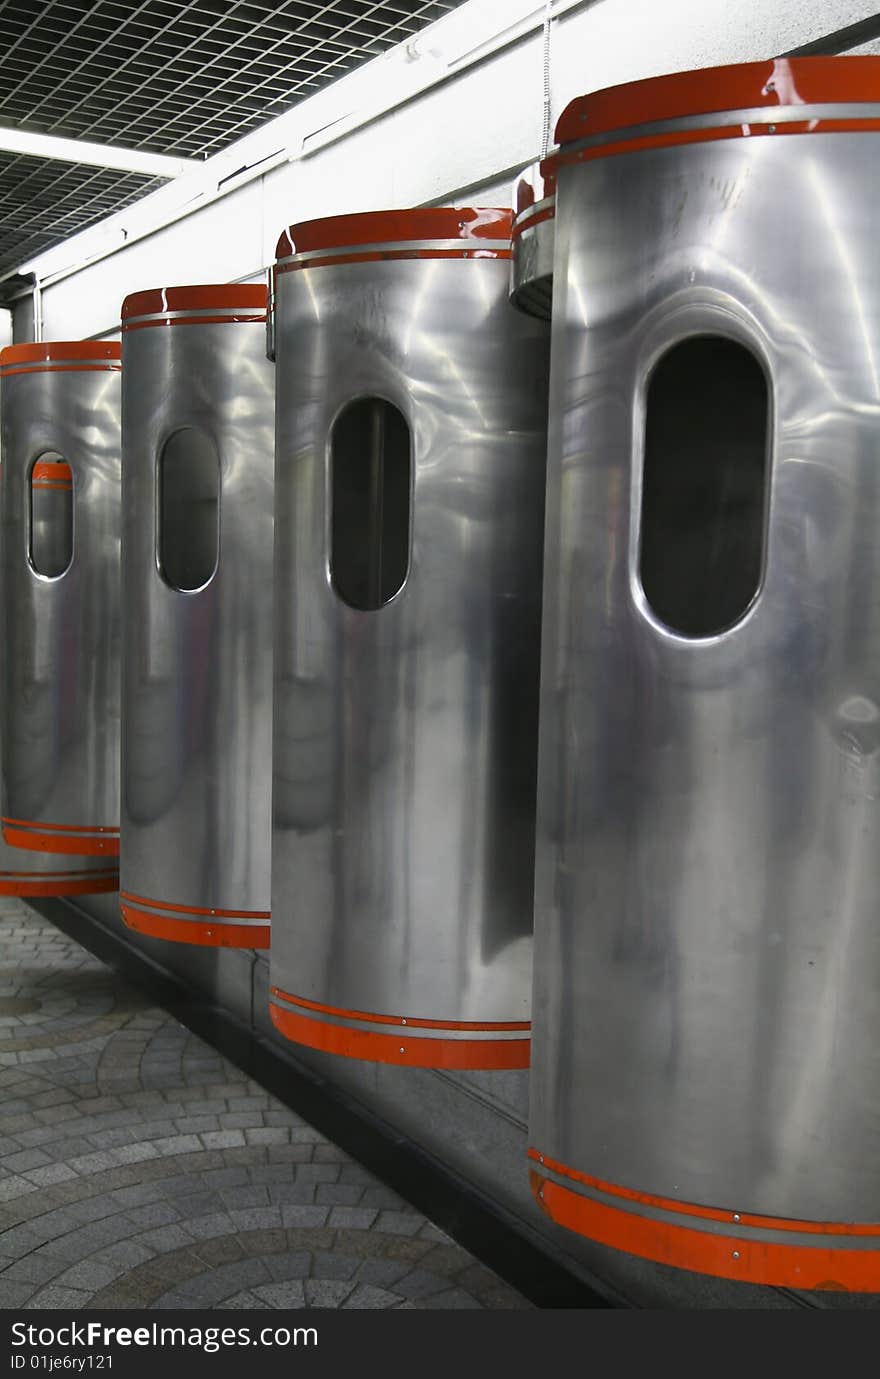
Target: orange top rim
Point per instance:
(778, 83)
(774, 85)
(83, 352)
(403, 227)
(227, 299)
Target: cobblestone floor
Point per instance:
(140, 1169)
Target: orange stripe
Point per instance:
(192, 321)
(776, 83)
(217, 933)
(61, 839)
(58, 471)
(547, 214)
(227, 297)
(723, 1256)
(196, 909)
(382, 255)
(704, 136)
(62, 368)
(63, 828)
(43, 351)
(467, 223)
(402, 1020)
(462, 1054)
(648, 1199)
(49, 883)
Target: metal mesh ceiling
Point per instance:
(185, 79)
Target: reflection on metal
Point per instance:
(405, 749)
(60, 719)
(50, 520)
(532, 240)
(704, 1079)
(270, 314)
(197, 673)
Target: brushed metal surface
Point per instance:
(707, 1022)
(405, 738)
(197, 665)
(60, 718)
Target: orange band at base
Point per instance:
(58, 883)
(408, 1048)
(206, 929)
(844, 1258)
(79, 840)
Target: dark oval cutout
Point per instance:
(704, 496)
(189, 509)
(50, 536)
(370, 480)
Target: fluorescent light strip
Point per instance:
(32, 145)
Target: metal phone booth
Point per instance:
(198, 415)
(409, 527)
(707, 950)
(60, 521)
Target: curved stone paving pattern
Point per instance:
(139, 1168)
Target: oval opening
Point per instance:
(189, 509)
(704, 492)
(370, 479)
(50, 535)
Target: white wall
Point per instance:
(471, 131)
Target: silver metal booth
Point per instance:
(60, 521)
(707, 946)
(198, 418)
(409, 526)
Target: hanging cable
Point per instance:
(545, 134)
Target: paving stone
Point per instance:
(317, 1173)
(420, 1284)
(383, 1272)
(88, 1274)
(304, 1216)
(333, 1264)
(222, 1139)
(142, 1169)
(250, 1196)
(59, 1297)
(289, 1295)
(352, 1218)
(298, 1193)
(13, 1293)
(368, 1298)
(399, 1222)
(326, 1292)
(339, 1194)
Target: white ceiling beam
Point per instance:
(32, 145)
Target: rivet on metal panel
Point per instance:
(736, 1216)
(736, 1254)
(402, 1049)
(771, 129)
(540, 1158)
(403, 1022)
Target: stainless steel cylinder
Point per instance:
(532, 240)
(707, 952)
(60, 517)
(409, 507)
(198, 416)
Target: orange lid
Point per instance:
(394, 227)
(82, 352)
(230, 301)
(777, 83)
